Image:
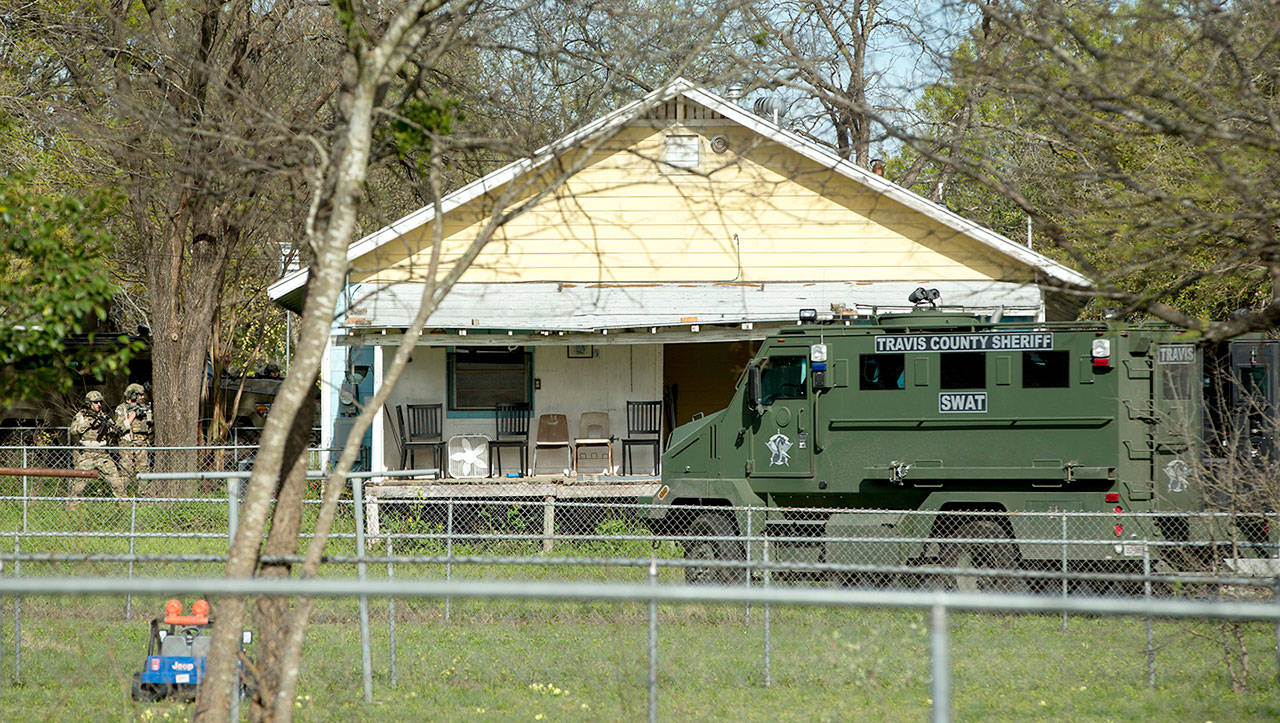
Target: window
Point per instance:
(1253, 383)
(1177, 380)
(782, 377)
(1046, 369)
(480, 378)
(962, 370)
(682, 151)
(882, 371)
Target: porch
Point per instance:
(545, 491)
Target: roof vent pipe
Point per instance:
(735, 91)
(768, 108)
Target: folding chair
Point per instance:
(644, 429)
(553, 434)
(593, 431)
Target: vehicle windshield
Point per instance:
(782, 377)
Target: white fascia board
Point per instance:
(604, 124)
(879, 184)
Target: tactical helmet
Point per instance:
(134, 389)
(93, 396)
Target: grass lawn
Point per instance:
(518, 661)
(534, 660)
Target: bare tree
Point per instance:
(380, 61)
(1140, 140)
(844, 69)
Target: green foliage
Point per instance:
(410, 133)
(55, 292)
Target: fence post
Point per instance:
(1276, 599)
(653, 642)
(17, 615)
(16, 636)
(133, 546)
(768, 640)
(748, 550)
(26, 489)
(940, 663)
(548, 523)
(233, 523)
(1146, 593)
(1064, 569)
(17, 572)
(233, 508)
(448, 558)
(391, 610)
(366, 657)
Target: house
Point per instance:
(656, 247)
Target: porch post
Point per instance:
(377, 455)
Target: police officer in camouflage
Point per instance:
(133, 415)
(95, 430)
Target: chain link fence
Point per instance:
(507, 655)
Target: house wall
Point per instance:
(758, 212)
(603, 383)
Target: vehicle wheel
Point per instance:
(713, 524)
(982, 556)
(141, 691)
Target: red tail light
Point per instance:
(1113, 497)
(1119, 530)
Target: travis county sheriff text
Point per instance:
(1004, 341)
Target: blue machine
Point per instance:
(176, 651)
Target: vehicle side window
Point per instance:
(962, 370)
(782, 377)
(881, 371)
(1045, 369)
(1253, 384)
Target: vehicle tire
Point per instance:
(713, 524)
(982, 556)
(141, 691)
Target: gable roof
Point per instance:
(290, 286)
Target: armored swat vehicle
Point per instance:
(858, 435)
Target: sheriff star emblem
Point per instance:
(778, 446)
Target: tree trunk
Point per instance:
(272, 614)
(185, 285)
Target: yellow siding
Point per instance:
(758, 212)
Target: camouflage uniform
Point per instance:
(136, 438)
(93, 427)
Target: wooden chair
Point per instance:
(512, 421)
(644, 429)
(553, 434)
(424, 431)
(593, 431)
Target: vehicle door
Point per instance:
(782, 438)
(1178, 433)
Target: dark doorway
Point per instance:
(701, 377)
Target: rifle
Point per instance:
(141, 413)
